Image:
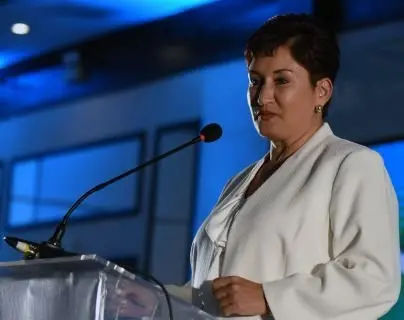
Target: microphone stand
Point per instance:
(53, 248)
(55, 240)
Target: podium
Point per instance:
(83, 287)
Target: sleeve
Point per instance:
(182, 292)
(362, 279)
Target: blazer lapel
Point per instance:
(281, 176)
(211, 237)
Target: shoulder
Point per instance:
(349, 153)
(355, 160)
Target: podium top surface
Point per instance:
(64, 264)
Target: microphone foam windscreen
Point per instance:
(211, 132)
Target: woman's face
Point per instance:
(281, 92)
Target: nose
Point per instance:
(265, 94)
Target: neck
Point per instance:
(280, 150)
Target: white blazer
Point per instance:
(321, 235)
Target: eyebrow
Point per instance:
(283, 70)
(276, 71)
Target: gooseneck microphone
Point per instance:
(52, 248)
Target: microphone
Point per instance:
(52, 248)
(33, 250)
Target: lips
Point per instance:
(266, 115)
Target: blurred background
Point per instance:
(89, 89)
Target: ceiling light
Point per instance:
(20, 28)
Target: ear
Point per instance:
(323, 91)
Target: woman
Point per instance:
(311, 230)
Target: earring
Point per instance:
(318, 109)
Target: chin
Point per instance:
(269, 131)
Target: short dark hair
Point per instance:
(311, 45)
